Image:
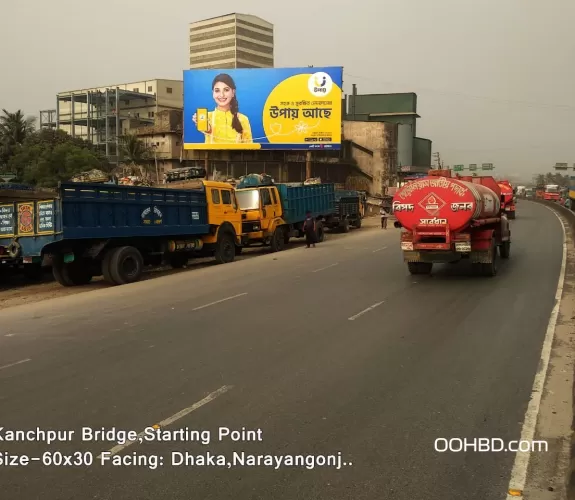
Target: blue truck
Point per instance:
(272, 213)
(349, 210)
(87, 230)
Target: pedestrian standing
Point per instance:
(384, 216)
(309, 229)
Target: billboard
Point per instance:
(263, 108)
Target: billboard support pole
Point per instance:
(308, 165)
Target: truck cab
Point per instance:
(551, 192)
(261, 213)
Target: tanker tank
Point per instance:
(449, 202)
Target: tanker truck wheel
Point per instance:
(512, 215)
(505, 249)
(490, 269)
(420, 267)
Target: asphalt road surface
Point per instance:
(326, 350)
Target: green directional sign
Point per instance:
(458, 168)
(473, 166)
(487, 166)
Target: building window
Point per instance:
(151, 114)
(253, 35)
(243, 44)
(210, 35)
(211, 25)
(169, 90)
(150, 88)
(229, 54)
(224, 44)
(253, 58)
(137, 90)
(257, 26)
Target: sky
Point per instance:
(495, 79)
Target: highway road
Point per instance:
(326, 350)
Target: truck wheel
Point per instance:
(239, 250)
(319, 232)
(178, 260)
(490, 269)
(505, 249)
(358, 223)
(344, 226)
(420, 267)
(74, 273)
(277, 243)
(126, 265)
(511, 215)
(225, 248)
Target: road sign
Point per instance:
(561, 166)
(487, 166)
(458, 168)
(473, 166)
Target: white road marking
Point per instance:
(170, 420)
(379, 249)
(519, 471)
(324, 268)
(9, 335)
(361, 313)
(14, 364)
(219, 301)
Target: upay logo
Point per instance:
(432, 204)
(320, 84)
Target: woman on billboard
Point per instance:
(225, 124)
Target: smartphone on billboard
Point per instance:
(202, 119)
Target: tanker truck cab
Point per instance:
(447, 219)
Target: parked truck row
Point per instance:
(85, 230)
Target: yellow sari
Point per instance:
(222, 130)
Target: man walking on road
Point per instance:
(384, 216)
(309, 229)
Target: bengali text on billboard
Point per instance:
(263, 108)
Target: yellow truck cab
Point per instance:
(224, 219)
(272, 213)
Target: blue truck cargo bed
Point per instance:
(298, 198)
(103, 211)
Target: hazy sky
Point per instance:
(495, 78)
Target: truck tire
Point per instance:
(74, 273)
(344, 226)
(319, 232)
(505, 249)
(512, 215)
(419, 267)
(277, 243)
(225, 247)
(357, 223)
(239, 250)
(126, 265)
(490, 269)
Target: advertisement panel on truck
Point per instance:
(263, 108)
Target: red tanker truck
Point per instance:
(508, 199)
(448, 218)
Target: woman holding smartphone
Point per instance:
(225, 124)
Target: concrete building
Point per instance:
(102, 114)
(232, 41)
(413, 153)
(164, 138)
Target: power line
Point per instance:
(467, 96)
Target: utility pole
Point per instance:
(438, 160)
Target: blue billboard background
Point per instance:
(254, 86)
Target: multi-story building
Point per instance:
(232, 41)
(102, 115)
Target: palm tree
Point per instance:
(14, 128)
(134, 150)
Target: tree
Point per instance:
(134, 150)
(14, 129)
(552, 178)
(48, 156)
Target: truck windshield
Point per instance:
(552, 189)
(248, 199)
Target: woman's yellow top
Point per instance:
(222, 130)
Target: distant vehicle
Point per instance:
(552, 192)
